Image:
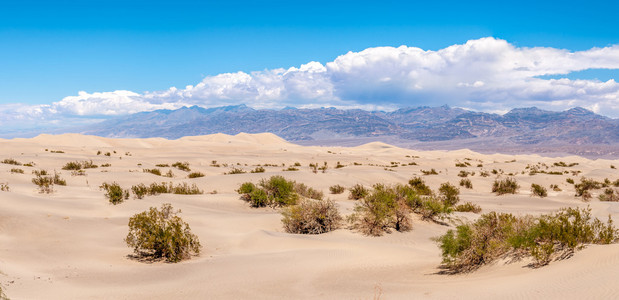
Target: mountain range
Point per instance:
(577, 131)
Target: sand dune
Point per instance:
(69, 244)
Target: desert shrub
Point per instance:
(275, 191)
(308, 192)
(420, 186)
(139, 191)
(380, 211)
(168, 174)
(106, 165)
(297, 164)
(609, 195)
(543, 238)
(17, 170)
(431, 172)
(2, 294)
(449, 194)
(57, 180)
(114, 193)
(40, 172)
(465, 182)
(88, 164)
(339, 165)
(585, 185)
(10, 161)
(30, 164)
(78, 173)
(311, 217)
(505, 186)
(235, 170)
(357, 192)
(46, 183)
(432, 208)
(468, 207)
(186, 189)
(336, 189)
(484, 174)
(4, 187)
(569, 180)
(152, 171)
(162, 234)
(538, 190)
(195, 175)
(258, 170)
(463, 173)
(291, 168)
(72, 165)
(183, 166)
(162, 165)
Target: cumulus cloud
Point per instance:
(486, 74)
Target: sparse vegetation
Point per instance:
(357, 192)
(311, 217)
(585, 186)
(152, 171)
(555, 188)
(195, 175)
(162, 165)
(336, 189)
(276, 191)
(114, 193)
(380, 211)
(291, 168)
(4, 187)
(543, 238)
(468, 207)
(258, 170)
(162, 234)
(10, 161)
(17, 170)
(46, 183)
(505, 186)
(465, 182)
(308, 192)
(538, 190)
(569, 180)
(610, 195)
(183, 166)
(75, 165)
(431, 172)
(235, 170)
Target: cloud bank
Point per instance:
(486, 74)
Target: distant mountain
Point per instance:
(519, 127)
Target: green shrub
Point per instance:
(257, 198)
(336, 189)
(246, 188)
(357, 192)
(308, 192)
(505, 186)
(431, 172)
(235, 170)
(495, 235)
(380, 211)
(465, 182)
(186, 189)
(139, 191)
(72, 165)
(162, 234)
(276, 191)
(258, 170)
(311, 217)
(538, 190)
(449, 194)
(195, 175)
(183, 166)
(152, 171)
(585, 185)
(114, 193)
(610, 195)
(420, 186)
(10, 161)
(468, 207)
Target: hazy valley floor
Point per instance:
(69, 244)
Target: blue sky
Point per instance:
(50, 50)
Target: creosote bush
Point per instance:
(465, 182)
(505, 186)
(468, 207)
(336, 189)
(357, 192)
(195, 175)
(538, 190)
(114, 193)
(311, 217)
(162, 234)
(183, 166)
(544, 238)
(449, 194)
(420, 186)
(275, 191)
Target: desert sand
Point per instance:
(69, 244)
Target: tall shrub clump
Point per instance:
(275, 191)
(162, 234)
(311, 217)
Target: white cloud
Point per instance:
(487, 74)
